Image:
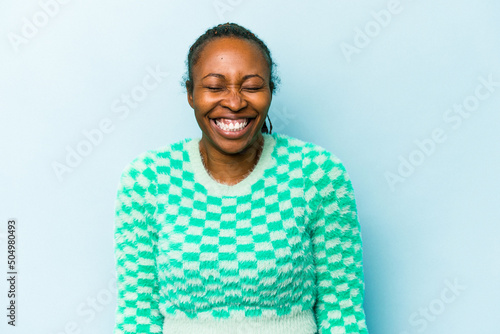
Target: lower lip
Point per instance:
(232, 134)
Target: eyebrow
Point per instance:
(223, 77)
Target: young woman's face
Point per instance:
(230, 86)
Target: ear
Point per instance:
(190, 99)
(189, 89)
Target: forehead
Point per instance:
(231, 56)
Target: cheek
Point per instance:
(261, 101)
(203, 101)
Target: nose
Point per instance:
(233, 100)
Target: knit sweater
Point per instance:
(279, 252)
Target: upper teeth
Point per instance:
(230, 124)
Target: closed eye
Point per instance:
(213, 88)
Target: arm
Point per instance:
(135, 242)
(337, 247)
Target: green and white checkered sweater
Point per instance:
(279, 252)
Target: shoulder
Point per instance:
(315, 158)
(323, 172)
(147, 163)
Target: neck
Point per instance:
(230, 168)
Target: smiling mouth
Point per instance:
(231, 125)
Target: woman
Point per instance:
(241, 230)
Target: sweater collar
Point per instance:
(202, 176)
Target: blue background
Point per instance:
(371, 81)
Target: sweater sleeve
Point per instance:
(336, 243)
(135, 248)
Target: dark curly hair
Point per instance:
(230, 30)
